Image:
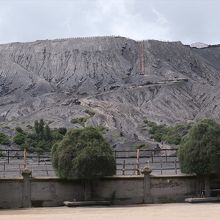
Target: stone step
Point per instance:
(203, 200)
(85, 203)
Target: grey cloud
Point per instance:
(192, 21)
(188, 21)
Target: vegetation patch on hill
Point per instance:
(41, 138)
(168, 134)
(4, 139)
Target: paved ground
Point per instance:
(151, 212)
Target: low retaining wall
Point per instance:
(11, 192)
(38, 192)
(120, 189)
(172, 188)
(54, 191)
(130, 190)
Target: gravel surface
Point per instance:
(152, 212)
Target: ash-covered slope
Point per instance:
(110, 81)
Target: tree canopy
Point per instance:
(200, 150)
(168, 134)
(4, 139)
(41, 138)
(83, 153)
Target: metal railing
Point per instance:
(128, 162)
(162, 161)
(11, 155)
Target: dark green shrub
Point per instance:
(157, 131)
(41, 139)
(200, 150)
(62, 131)
(170, 135)
(56, 135)
(19, 129)
(90, 112)
(19, 138)
(81, 120)
(47, 133)
(83, 153)
(4, 139)
(140, 146)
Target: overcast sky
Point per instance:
(185, 20)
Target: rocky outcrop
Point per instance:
(118, 79)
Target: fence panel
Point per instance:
(128, 162)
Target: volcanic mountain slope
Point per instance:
(113, 82)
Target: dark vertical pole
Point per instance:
(175, 166)
(123, 168)
(46, 169)
(8, 156)
(138, 162)
(4, 170)
(152, 157)
(25, 158)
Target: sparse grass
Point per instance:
(81, 120)
(6, 127)
(29, 127)
(140, 146)
(90, 112)
(101, 129)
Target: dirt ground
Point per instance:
(149, 212)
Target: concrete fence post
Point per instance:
(207, 186)
(147, 198)
(26, 194)
(87, 190)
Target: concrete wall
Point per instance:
(53, 191)
(129, 190)
(11, 191)
(215, 185)
(172, 188)
(119, 190)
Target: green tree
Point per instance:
(41, 128)
(19, 129)
(19, 138)
(4, 139)
(168, 134)
(41, 139)
(83, 153)
(62, 131)
(199, 152)
(47, 133)
(36, 127)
